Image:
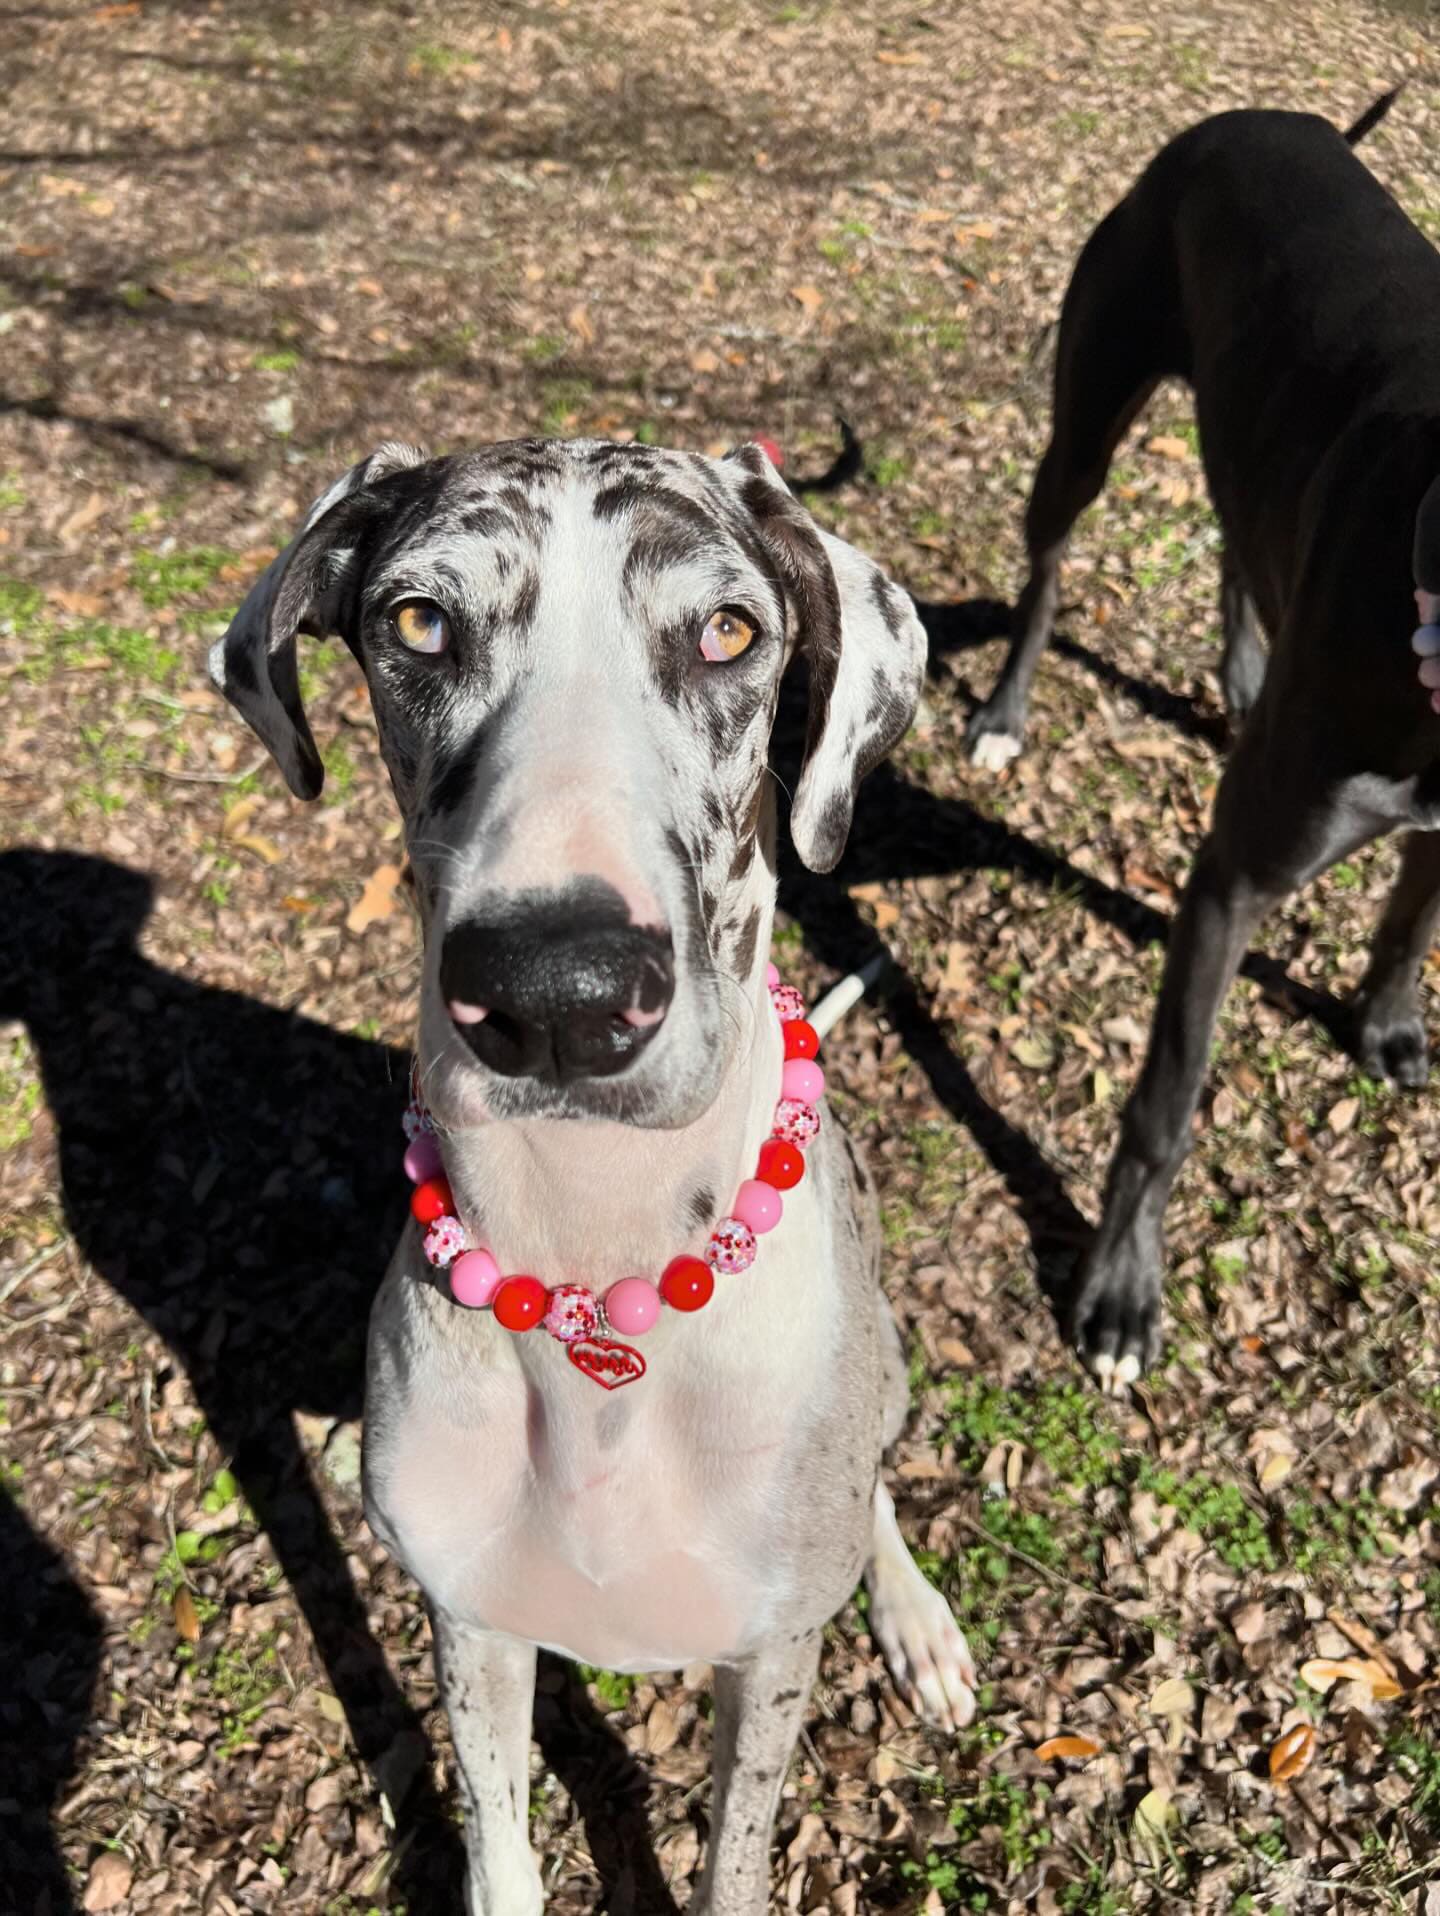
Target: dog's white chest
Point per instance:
(633, 1529)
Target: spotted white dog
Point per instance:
(574, 652)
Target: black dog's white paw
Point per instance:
(1116, 1318)
(992, 739)
(1390, 1042)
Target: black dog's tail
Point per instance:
(845, 466)
(1373, 115)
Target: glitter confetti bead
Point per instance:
(795, 1123)
(731, 1248)
(572, 1312)
(444, 1241)
(787, 1002)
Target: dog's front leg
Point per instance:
(759, 1705)
(487, 1682)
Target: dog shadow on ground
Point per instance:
(230, 1170)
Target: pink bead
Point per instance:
(803, 1080)
(796, 1123)
(772, 977)
(422, 1158)
(571, 1313)
(758, 1205)
(632, 1306)
(474, 1279)
(731, 1248)
(788, 1003)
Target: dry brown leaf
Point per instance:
(111, 1875)
(187, 1617)
(1342, 1115)
(1293, 1754)
(1060, 1749)
(1168, 447)
(256, 842)
(810, 297)
(377, 901)
(240, 814)
(1322, 1673)
(82, 518)
(704, 361)
(1174, 1697)
(84, 605)
(1154, 1815)
(578, 320)
(889, 59)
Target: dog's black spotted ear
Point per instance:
(254, 664)
(865, 649)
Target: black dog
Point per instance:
(1259, 260)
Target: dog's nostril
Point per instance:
(643, 1019)
(464, 1014)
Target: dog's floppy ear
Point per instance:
(865, 649)
(299, 591)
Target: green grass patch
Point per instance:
(613, 1687)
(281, 362)
(161, 578)
(19, 1091)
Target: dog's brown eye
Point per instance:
(421, 626)
(726, 636)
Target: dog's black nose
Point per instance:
(560, 988)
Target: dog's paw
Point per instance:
(1116, 1317)
(1390, 1043)
(928, 1657)
(990, 750)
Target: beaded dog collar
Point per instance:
(573, 1314)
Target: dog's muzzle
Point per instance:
(559, 993)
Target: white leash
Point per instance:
(847, 994)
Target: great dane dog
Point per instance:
(574, 652)
(1258, 259)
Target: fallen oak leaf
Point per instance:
(1323, 1673)
(810, 297)
(187, 1617)
(111, 1875)
(1154, 1816)
(377, 901)
(1071, 1749)
(264, 848)
(1293, 1754)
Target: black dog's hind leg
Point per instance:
(1389, 1026)
(1106, 366)
(1278, 824)
(1242, 664)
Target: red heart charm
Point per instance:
(608, 1363)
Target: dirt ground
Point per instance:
(245, 242)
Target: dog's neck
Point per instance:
(591, 1201)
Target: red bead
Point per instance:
(688, 1283)
(781, 1165)
(802, 1040)
(431, 1199)
(520, 1303)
